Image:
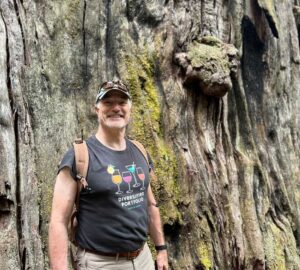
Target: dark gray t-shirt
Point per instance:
(112, 213)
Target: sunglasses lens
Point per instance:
(115, 84)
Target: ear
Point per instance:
(95, 109)
(130, 104)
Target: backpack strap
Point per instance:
(141, 148)
(82, 164)
(145, 154)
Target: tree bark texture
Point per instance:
(216, 94)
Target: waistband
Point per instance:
(128, 255)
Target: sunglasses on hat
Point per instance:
(112, 85)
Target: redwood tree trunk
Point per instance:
(220, 121)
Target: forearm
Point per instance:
(155, 226)
(156, 232)
(62, 206)
(58, 246)
(157, 236)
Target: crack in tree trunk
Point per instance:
(19, 220)
(85, 50)
(21, 27)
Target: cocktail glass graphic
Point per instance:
(127, 177)
(110, 169)
(141, 176)
(117, 179)
(131, 168)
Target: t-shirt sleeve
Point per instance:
(68, 161)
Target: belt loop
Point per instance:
(117, 257)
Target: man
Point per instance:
(117, 207)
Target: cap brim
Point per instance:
(102, 94)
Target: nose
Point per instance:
(116, 107)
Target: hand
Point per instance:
(162, 260)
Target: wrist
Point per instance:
(160, 247)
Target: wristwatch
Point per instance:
(161, 247)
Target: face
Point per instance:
(114, 110)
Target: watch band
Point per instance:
(161, 247)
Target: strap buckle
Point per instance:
(78, 140)
(82, 180)
(79, 177)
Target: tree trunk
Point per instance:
(216, 94)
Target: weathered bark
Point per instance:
(227, 164)
(20, 236)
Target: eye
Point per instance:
(123, 103)
(107, 102)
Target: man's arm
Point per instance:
(63, 201)
(156, 231)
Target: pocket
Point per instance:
(145, 260)
(80, 267)
(79, 253)
(80, 259)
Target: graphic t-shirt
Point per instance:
(112, 214)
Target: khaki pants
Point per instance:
(91, 261)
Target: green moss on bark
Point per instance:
(274, 248)
(146, 127)
(202, 55)
(204, 255)
(204, 246)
